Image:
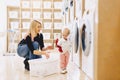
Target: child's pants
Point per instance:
(64, 58)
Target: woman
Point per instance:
(33, 41)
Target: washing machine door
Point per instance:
(75, 38)
(76, 43)
(86, 37)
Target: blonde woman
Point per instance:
(29, 46)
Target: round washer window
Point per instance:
(86, 38)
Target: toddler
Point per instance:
(64, 47)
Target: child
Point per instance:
(64, 47)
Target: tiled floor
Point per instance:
(12, 68)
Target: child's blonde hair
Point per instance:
(67, 29)
(33, 26)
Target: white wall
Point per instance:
(3, 21)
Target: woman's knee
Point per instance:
(22, 50)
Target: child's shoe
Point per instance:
(63, 71)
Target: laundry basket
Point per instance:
(13, 36)
(43, 67)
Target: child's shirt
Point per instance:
(65, 44)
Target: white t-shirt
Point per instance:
(65, 44)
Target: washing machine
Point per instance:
(76, 42)
(87, 43)
(75, 37)
(86, 36)
(81, 36)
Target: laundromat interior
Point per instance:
(93, 55)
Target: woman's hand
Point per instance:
(47, 55)
(37, 52)
(49, 47)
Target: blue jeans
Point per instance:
(36, 47)
(25, 52)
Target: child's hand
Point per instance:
(47, 56)
(49, 47)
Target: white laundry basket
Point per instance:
(43, 67)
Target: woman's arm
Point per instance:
(29, 43)
(47, 48)
(41, 42)
(37, 52)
